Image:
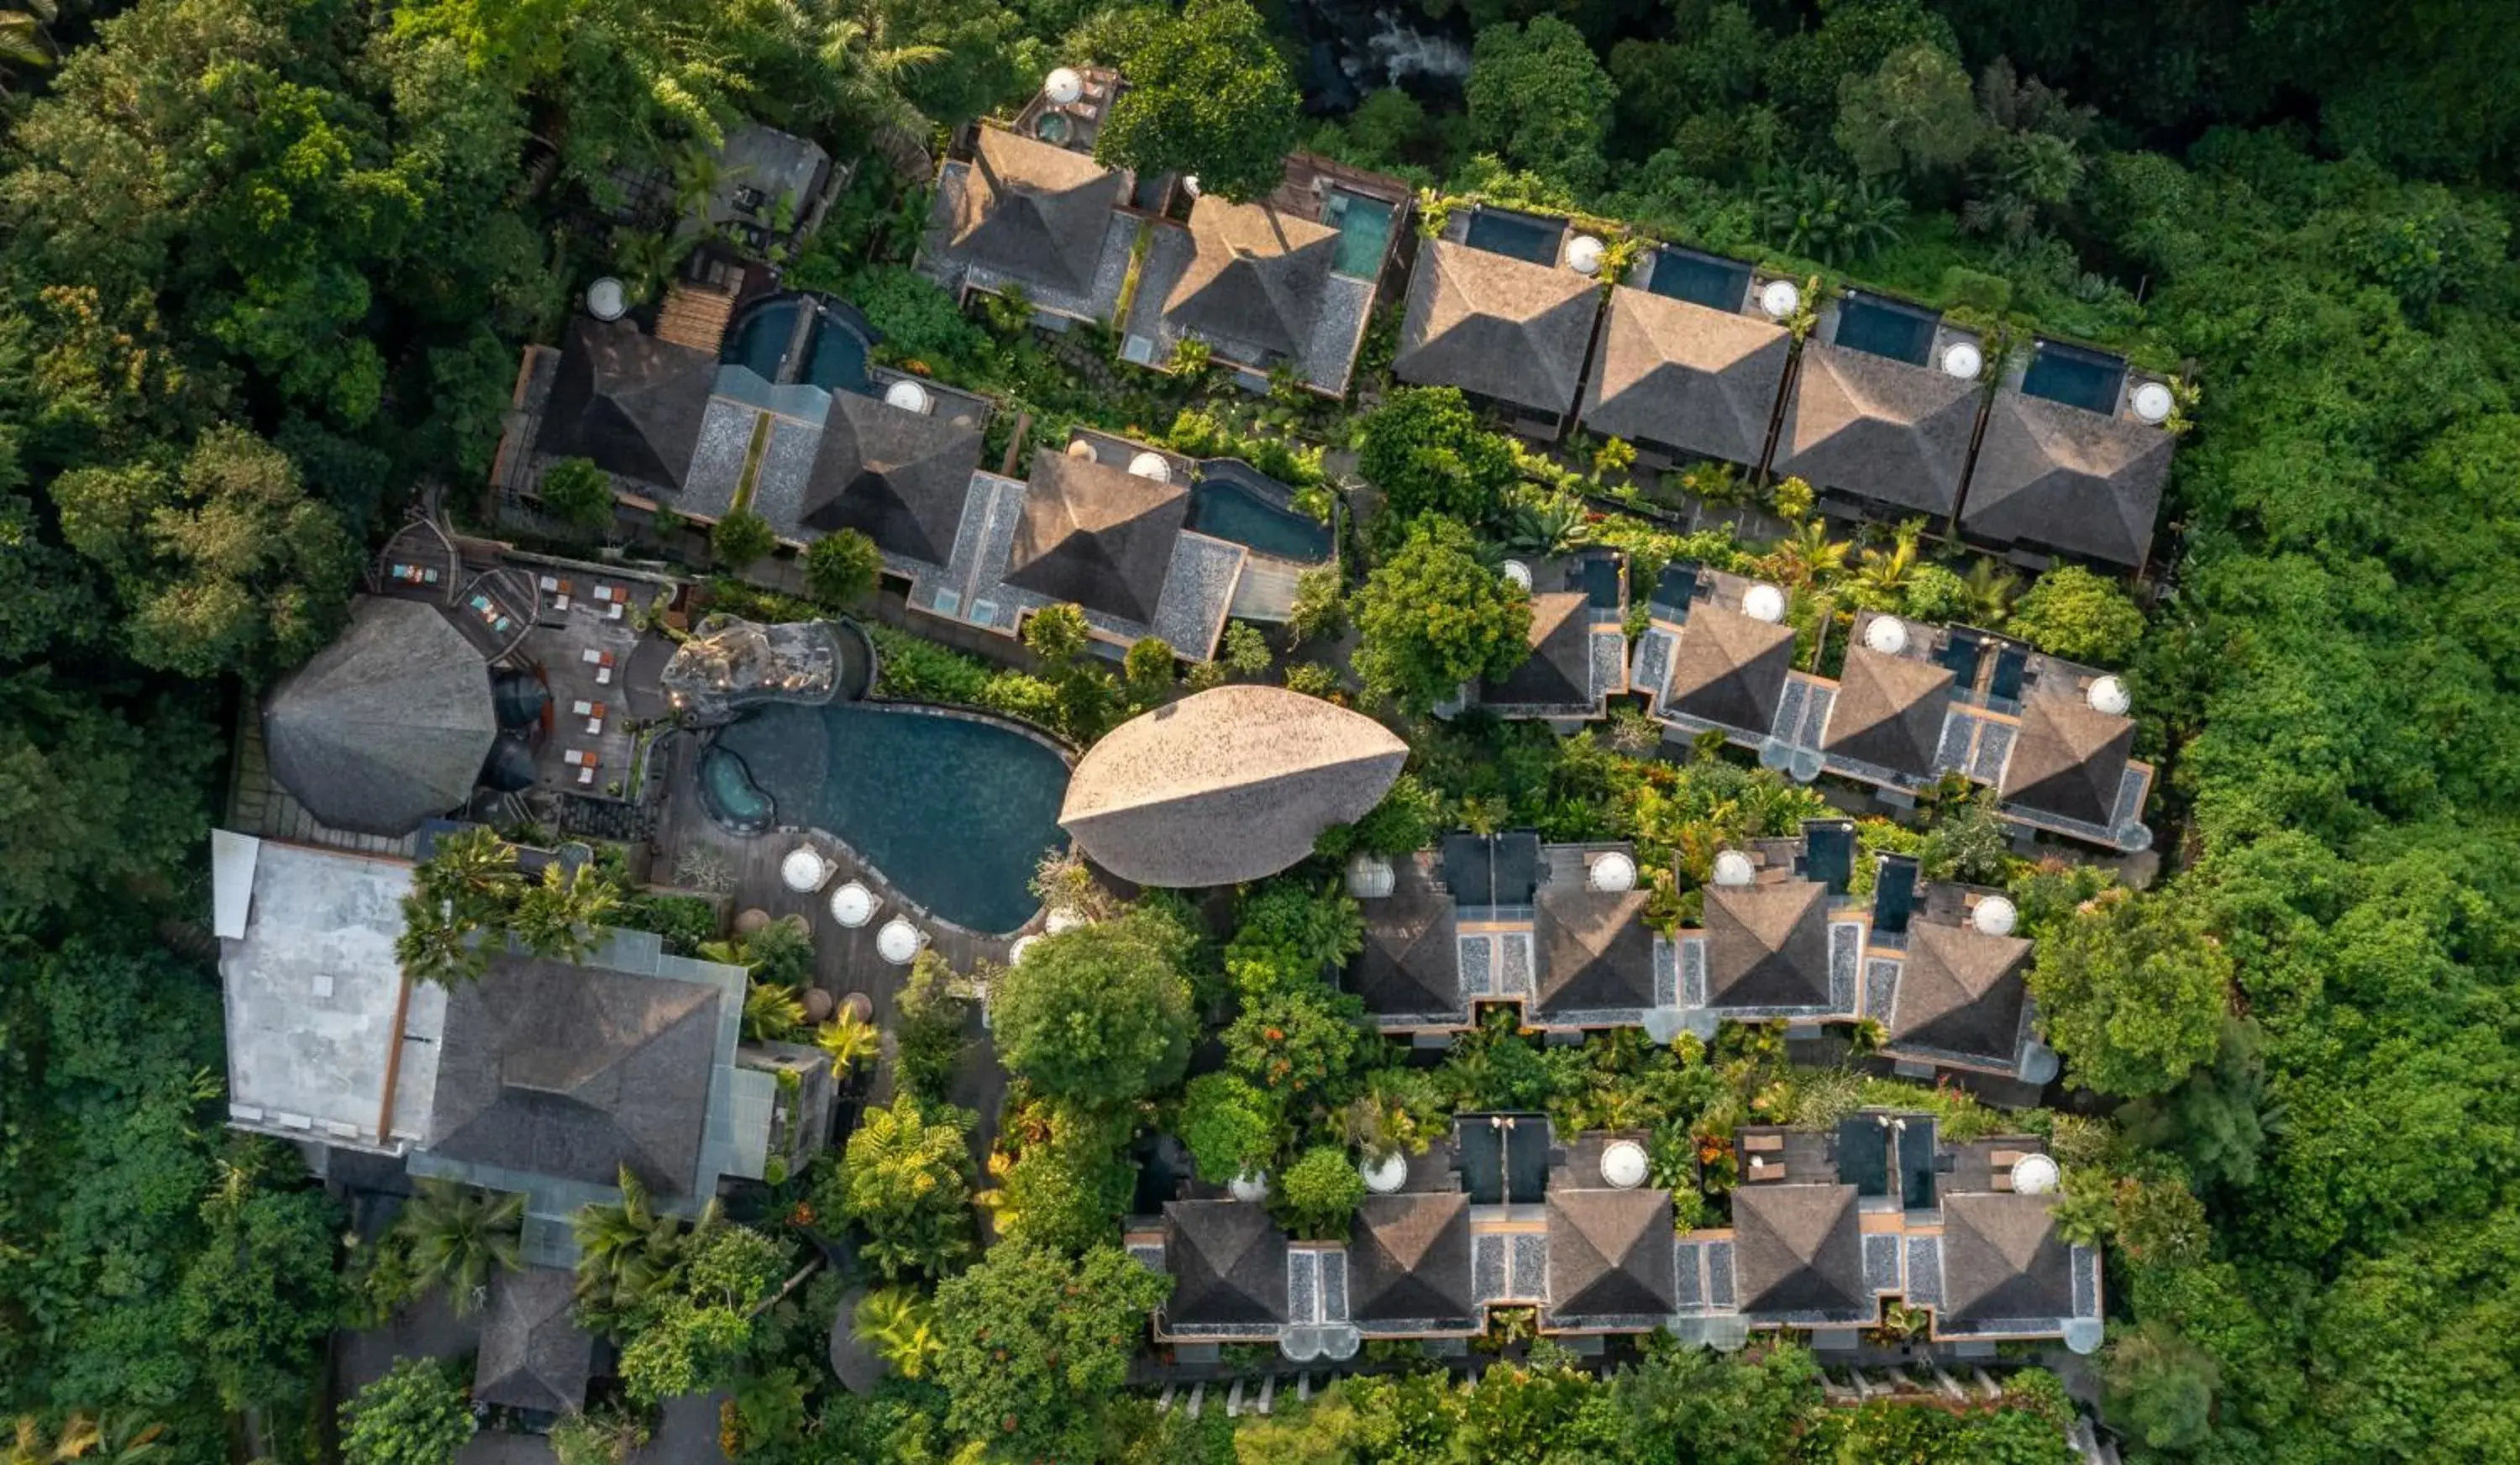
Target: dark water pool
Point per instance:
(1232, 510)
(956, 813)
(1699, 279)
(838, 361)
(759, 340)
(1882, 328)
(2089, 379)
(1517, 235)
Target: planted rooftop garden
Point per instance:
(268, 277)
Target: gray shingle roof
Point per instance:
(1231, 784)
(1729, 668)
(1610, 1254)
(2002, 1260)
(1410, 965)
(1798, 1251)
(573, 1071)
(533, 1353)
(1228, 1265)
(1097, 535)
(1888, 711)
(898, 477)
(1502, 327)
(1767, 945)
(385, 726)
(1409, 1260)
(2057, 475)
(1675, 372)
(1033, 212)
(1595, 951)
(628, 402)
(1558, 672)
(2068, 760)
(1881, 428)
(1961, 991)
(1255, 275)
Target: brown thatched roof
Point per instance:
(1798, 1251)
(898, 477)
(1729, 668)
(628, 402)
(1232, 785)
(1098, 535)
(1558, 672)
(1610, 1254)
(1888, 711)
(1503, 328)
(1410, 964)
(1880, 428)
(1228, 1265)
(1034, 212)
(2002, 1260)
(533, 1355)
(1595, 951)
(1409, 1260)
(1767, 945)
(2068, 479)
(1255, 275)
(1675, 372)
(1961, 991)
(2068, 760)
(385, 726)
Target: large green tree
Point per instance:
(1428, 453)
(1208, 95)
(905, 1181)
(1099, 1014)
(1035, 1344)
(1539, 100)
(2133, 991)
(1434, 617)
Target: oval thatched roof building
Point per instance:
(1232, 785)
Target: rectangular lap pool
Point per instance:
(1365, 231)
(1699, 279)
(1885, 328)
(2087, 380)
(1517, 236)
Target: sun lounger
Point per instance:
(586, 775)
(603, 676)
(1763, 1142)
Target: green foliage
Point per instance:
(1034, 1344)
(2073, 613)
(1069, 1180)
(1245, 652)
(457, 1237)
(415, 1414)
(1099, 1014)
(741, 538)
(906, 1182)
(1320, 611)
(1229, 1126)
(1208, 95)
(1913, 115)
(689, 1333)
(1433, 617)
(928, 1019)
(579, 491)
(2218, 1117)
(1539, 100)
(842, 567)
(2133, 991)
(2160, 1389)
(1299, 1043)
(1147, 669)
(1320, 1192)
(1423, 447)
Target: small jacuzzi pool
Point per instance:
(728, 790)
(1233, 502)
(1885, 328)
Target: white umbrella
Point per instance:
(803, 869)
(852, 905)
(899, 942)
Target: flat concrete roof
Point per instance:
(315, 1003)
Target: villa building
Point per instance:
(1689, 366)
(1884, 403)
(1015, 212)
(1826, 1228)
(1579, 644)
(1496, 309)
(1915, 704)
(2073, 457)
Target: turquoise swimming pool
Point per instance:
(1228, 502)
(1364, 231)
(956, 812)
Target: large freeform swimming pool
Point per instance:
(956, 812)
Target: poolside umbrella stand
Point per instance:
(805, 869)
(853, 905)
(899, 942)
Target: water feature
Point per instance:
(955, 812)
(838, 361)
(759, 340)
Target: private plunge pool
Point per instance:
(1231, 501)
(956, 811)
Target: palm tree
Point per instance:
(773, 1012)
(900, 1326)
(850, 40)
(565, 914)
(1990, 588)
(628, 1251)
(25, 45)
(1885, 572)
(473, 871)
(850, 1040)
(1811, 555)
(781, 952)
(458, 1235)
(435, 947)
(108, 1440)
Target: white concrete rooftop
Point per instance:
(316, 1007)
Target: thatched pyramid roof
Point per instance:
(388, 724)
